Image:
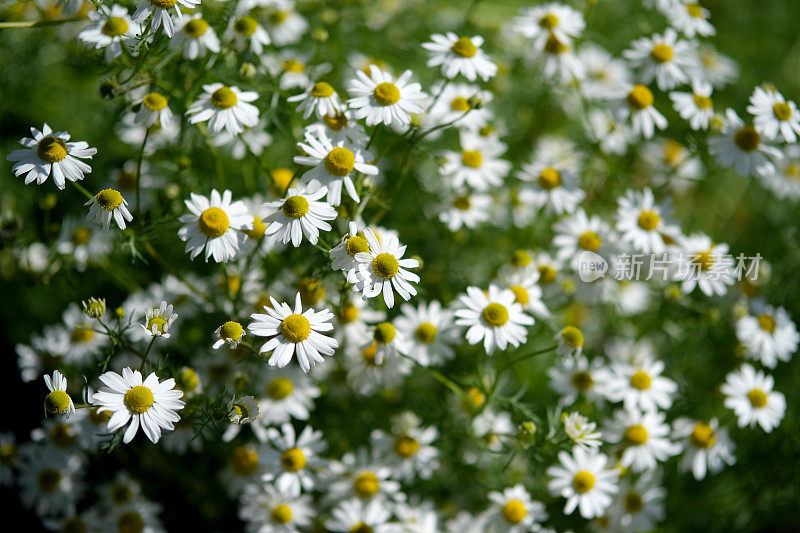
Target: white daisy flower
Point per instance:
(465, 210)
(292, 464)
(574, 376)
(224, 108)
(368, 376)
(300, 213)
(640, 386)
(773, 115)
(605, 75)
(290, 395)
(49, 153)
(356, 515)
(690, 18)
(769, 337)
(513, 511)
(106, 205)
(556, 189)
(294, 332)
(644, 438)
(150, 404)
(382, 345)
(360, 475)
(697, 106)
(214, 225)
(570, 341)
(638, 105)
(84, 341)
(478, 164)
(160, 11)
(641, 224)
(740, 146)
(749, 394)
(785, 182)
(243, 410)
(343, 254)
(57, 400)
(340, 127)
(460, 55)
(701, 263)
(707, 448)
(246, 466)
(264, 508)
(524, 283)
(158, 320)
(334, 165)
(383, 270)
(426, 333)
(580, 430)
(246, 32)
(319, 99)
(539, 22)
(49, 482)
(455, 99)
(579, 233)
(153, 109)
(584, 480)
(110, 29)
(664, 58)
(714, 67)
(612, 135)
(409, 451)
(352, 318)
(230, 333)
(286, 25)
(493, 428)
(380, 99)
(639, 505)
(493, 317)
(196, 38)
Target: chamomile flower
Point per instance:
(334, 165)
(160, 11)
(225, 108)
(749, 394)
(382, 269)
(580, 233)
(109, 205)
(605, 75)
(9, 458)
(153, 108)
(580, 430)
(582, 478)
(715, 67)
(246, 466)
(612, 135)
(574, 376)
(639, 505)
(697, 106)
(49, 153)
(690, 18)
(664, 58)
(740, 146)
(382, 345)
(460, 55)
(638, 106)
(357, 515)
(286, 25)
(699, 262)
(773, 116)
(538, 23)
(456, 104)
(214, 225)
(707, 448)
(294, 333)
(57, 400)
(409, 451)
(339, 127)
(49, 481)
(246, 32)
(291, 464)
(641, 223)
(289, 395)
(84, 342)
(148, 403)
(426, 333)
(300, 213)
(352, 317)
(44, 352)
(465, 210)
(494, 429)
(785, 182)
(230, 333)
(555, 187)
(513, 511)
(478, 164)
(570, 341)
(264, 508)
(524, 283)
(494, 317)
(110, 29)
(319, 99)
(644, 438)
(769, 337)
(640, 386)
(83, 244)
(243, 410)
(196, 37)
(380, 99)
(158, 320)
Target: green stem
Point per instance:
(147, 352)
(37, 23)
(83, 190)
(139, 177)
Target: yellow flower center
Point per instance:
(459, 103)
(340, 161)
(425, 333)
(231, 330)
(295, 328)
(279, 388)
(521, 295)
(258, 231)
(406, 446)
(295, 207)
(705, 260)
(547, 274)
(163, 4)
(590, 241)
(471, 158)
(495, 315)
(758, 398)
(188, 380)
(462, 203)
(384, 333)
(582, 380)
(514, 512)
(361, 527)
(311, 290)
(281, 514)
(81, 335)
(572, 336)
(703, 102)
(154, 101)
(640, 380)
(583, 481)
(368, 355)
(213, 222)
(49, 480)
(648, 220)
(293, 460)
(463, 47)
(196, 28)
(51, 149)
(109, 199)
(554, 46)
(747, 139)
(293, 65)
(321, 90)
(767, 323)
(245, 26)
(7, 453)
(633, 502)
(661, 53)
(130, 521)
(97, 417)
(386, 93)
(244, 460)
(702, 436)
(520, 258)
(366, 485)
(636, 435)
(114, 26)
(223, 98)
(355, 245)
(548, 22)
(348, 313)
(640, 98)
(278, 16)
(793, 170)
(57, 402)
(694, 10)
(281, 177)
(385, 266)
(549, 178)
(139, 399)
(81, 235)
(782, 111)
(62, 436)
(335, 122)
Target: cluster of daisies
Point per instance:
(300, 302)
